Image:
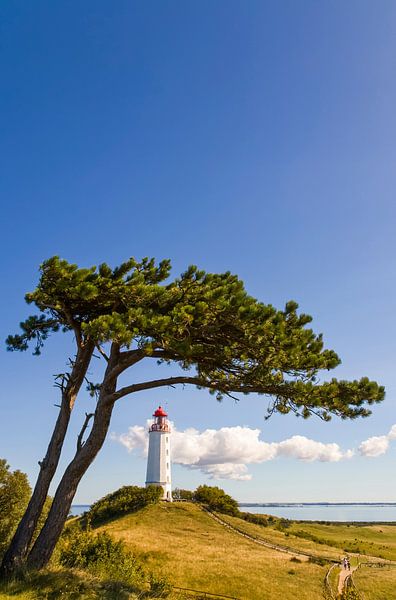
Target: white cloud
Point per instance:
(308, 450)
(374, 446)
(392, 433)
(227, 471)
(136, 438)
(225, 453)
(378, 444)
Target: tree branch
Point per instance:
(74, 325)
(102, 352)
(221, 387)
(129, 358)
(148, 385)
(80, 443)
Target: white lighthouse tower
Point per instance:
(159, 459)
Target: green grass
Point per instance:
(333, 539)
(371, 540)
(327, 539)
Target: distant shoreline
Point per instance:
(269, 504)
(252, 504)
(341, 512)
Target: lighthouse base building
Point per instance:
(159, 457)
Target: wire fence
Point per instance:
(328, 592)
(181, 593)
(201, 594)
(268, 544)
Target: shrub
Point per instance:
(350, 594)
(256, 519)
(216, 499)
(283, 524)
(14, 497)
(125, 500)
(316, 560)
(102, 556)
(111, 561)
(159, 586)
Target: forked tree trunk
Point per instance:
(20, 543)
(43, 547)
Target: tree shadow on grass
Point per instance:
(66, 585)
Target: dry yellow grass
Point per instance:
(195, 551)
(284, 538)
(376, 583)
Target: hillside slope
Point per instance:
(194, 551)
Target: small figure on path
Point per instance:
(348, 565)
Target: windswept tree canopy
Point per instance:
(222, 338)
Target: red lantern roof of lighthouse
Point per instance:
(160, 412)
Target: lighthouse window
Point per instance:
(167, 465)
(167, 451)
(167, 439)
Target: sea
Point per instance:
(339, 512)
(381, 512)
(78, 509)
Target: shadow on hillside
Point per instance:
(68, 585)
(86, 521)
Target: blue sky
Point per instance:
(253, 136)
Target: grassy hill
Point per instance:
(186, 544)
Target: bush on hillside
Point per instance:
(127, 499)
(216, 499)
(283, 524)
(102, 556)
(14, 497)
(350, 594)
(318, 560)
(109, 560)
(254, 518)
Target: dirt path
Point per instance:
(344, 574)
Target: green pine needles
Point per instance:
(222, 338)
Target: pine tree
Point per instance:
(217, 337)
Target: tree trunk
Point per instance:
(43, 547)
(19, 546)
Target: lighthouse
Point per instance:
(159, 459)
